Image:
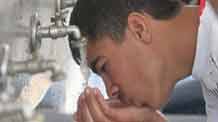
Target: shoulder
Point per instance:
(214, 4)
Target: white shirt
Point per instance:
(206, 61)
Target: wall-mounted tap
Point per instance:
(55, 32)
(34, 66)
(57, 29)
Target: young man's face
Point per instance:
(132, 71)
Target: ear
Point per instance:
(138, 24)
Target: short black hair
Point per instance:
(97, 18)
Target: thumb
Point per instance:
(159, 117)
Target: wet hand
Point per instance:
(92, 107)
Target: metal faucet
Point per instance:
(33, 66)
(58, 28)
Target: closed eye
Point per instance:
(99, 65)
(102, 69)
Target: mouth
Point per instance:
(129, 101)
(124, 100)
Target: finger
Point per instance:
(94, 107)
(159, 117)
(125, 114)
(79, 112)
(103, 104)
(112, 102)
(86, 116)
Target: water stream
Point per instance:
(84, 65)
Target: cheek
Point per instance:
(122, 72)
(138, 79)
(126, 75)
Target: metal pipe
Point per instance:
(4, 60)
(58, 6)
(36, 66)
(58, 13)
(67, 3)
(57, 73)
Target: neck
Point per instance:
(214, 4)
(185, 36)
(182, 46)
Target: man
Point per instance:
(141, 48)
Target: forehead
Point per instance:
(102, 47)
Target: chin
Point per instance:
(144, 104)
(155, 104)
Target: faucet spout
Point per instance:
(36, 66)
(55, 32)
